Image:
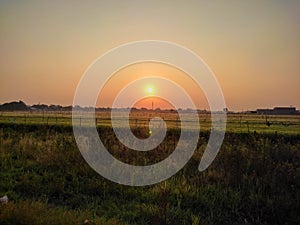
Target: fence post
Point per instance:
(248, 126)
(240, 121)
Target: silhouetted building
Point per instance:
(264, 111)
(278, 111)
(284, 110)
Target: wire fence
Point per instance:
(235, 122)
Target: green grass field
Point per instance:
(238, 123)
(254, 179)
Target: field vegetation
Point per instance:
(255, 178)
(236, 122)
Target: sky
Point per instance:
(252, 47)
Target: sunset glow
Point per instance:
(45, 49)
(149, 112)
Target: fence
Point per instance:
(235, 122)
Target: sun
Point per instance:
(150, 90)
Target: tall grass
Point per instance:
(255, 179)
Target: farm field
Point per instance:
(235, 122)
(150, 112)
(254, 179)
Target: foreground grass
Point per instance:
(37, 212)
(254, 180)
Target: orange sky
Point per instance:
(252, 46)
(148, 69)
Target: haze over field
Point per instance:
(252, 46)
